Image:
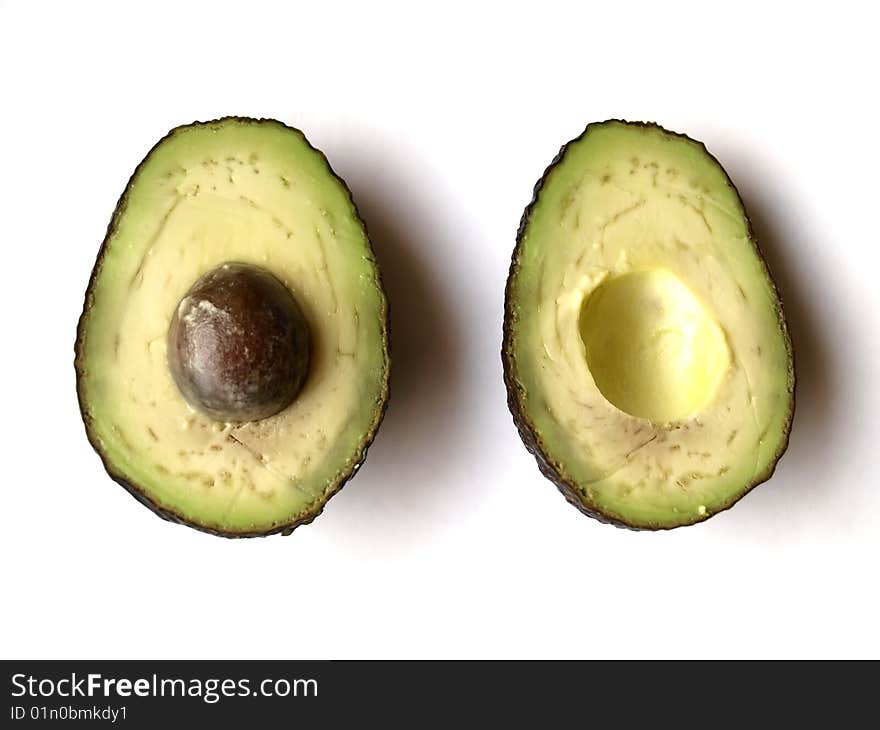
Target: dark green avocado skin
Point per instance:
(529, 435)
(134, 490)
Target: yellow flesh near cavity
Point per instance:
(258, 194)
(648, 224)
(651, 347)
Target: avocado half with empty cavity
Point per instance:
(646, 356)
(232, 355)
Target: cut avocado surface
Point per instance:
(232, 355)
(646, 356)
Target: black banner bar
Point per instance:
(152, 694)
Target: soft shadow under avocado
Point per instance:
(783, 235)
(396, 486)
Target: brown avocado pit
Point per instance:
(238, 344)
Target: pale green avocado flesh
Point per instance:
(646, 354)
(257, 193)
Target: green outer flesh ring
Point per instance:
(133, 489)
(530, 437)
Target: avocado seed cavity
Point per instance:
(238, 344)
(652, 348)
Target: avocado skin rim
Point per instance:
(285, 528)
(529, 435)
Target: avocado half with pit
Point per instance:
(646, 356)
(232, 355)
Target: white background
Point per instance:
(448, 543)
